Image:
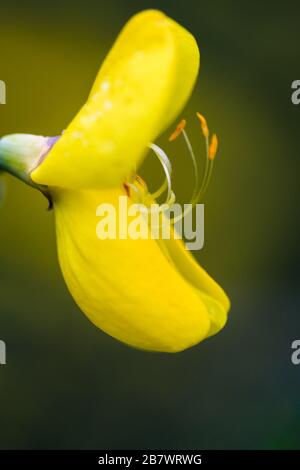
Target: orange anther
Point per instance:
(203, 124)
(213, 147)
(178, 130)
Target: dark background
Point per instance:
(68, 385)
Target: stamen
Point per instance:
(136, 189)
(199, 189)
(140, 187)
(141, 181)
(213, 147)
(179, 129)
(203, 124)
(195, 165)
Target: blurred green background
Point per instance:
(66, 384)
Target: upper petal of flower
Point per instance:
(142, 85)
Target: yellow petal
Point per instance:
(143, 84)
(150, 298)
(213, 296)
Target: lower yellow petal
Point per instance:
(132, 289)
(213, 296)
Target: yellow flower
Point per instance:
(150, 294)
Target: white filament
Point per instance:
(166, 164)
